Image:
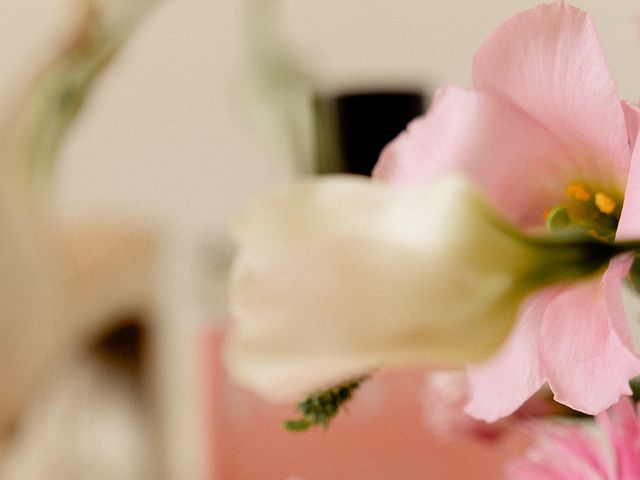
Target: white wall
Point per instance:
(166, 133)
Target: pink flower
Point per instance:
(542, 131)
(568, 452)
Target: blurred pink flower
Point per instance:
(568, 452)
(443, 398)
(444, 395)
(542, 131)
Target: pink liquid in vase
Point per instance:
(381, 435)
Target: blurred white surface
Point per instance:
(166, 135)
(89, 423)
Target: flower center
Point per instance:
(593, 211)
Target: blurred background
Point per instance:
(207, 102)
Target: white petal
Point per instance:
(342, 275)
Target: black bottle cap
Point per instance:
(352, 129)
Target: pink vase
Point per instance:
(381, 435)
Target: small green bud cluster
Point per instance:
(320, 407)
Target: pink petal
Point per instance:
(621, 426)
(632, 119)
(584, 343)
(548, 61)
(586, 452)
(629, 225)
(495, 144)
(561, 452)
(500, 385)
(611, 280)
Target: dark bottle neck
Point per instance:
(352, 129)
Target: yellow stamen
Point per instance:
(605, 203)
(578, 191)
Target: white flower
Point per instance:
(341, 275)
